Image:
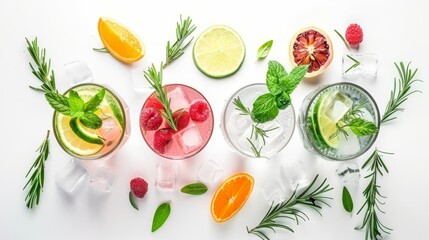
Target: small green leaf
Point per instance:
(75, 102)
(77, 114)
(58, 102)
(90, 120)
(102, 50)
(361, 127)
(291, 81)
(160, 216)
(95, 101)
(283, 100)
(194, 189)
(347, 200)
(264, 50)
(265, 108)
(132, 201)
(275, 73)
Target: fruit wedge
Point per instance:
(120, 41)
(218, 52)
(231, 196)
(324, 127)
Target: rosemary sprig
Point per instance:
(102, 50)
(154, 77)
(342, 38)
(255, 150)
(240, 106)
(355, 64)
(258, 132)
(401, 91)
(37, 178)
(353, 113)
(43, 71)
(371, 222)
(313, 199)
(183, 30)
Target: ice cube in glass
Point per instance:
(189, 139)
(338, 106)
(71, 176)
(238, 123)
(178, 99)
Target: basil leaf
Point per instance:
(291, 81)
(194, 189)
(161, 215)
(283, 100)
(90, 120)
(75, 102)
(275, 72)
(58, 102)
(264, 50)
(347, 200)
(95, 101)
(361, 127)
(132, 201)
(265, 108)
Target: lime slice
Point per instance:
(323, 126)
(219, 51)
(116, 109)
(76, 138)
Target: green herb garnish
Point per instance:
(401, 91)
(371, 221)
(347, 200)
(240, 107)
(161, 215)
(132, 201)
(255, 150)
(194, 189)
(311, 198)
(183, 30)
(37, 178)
(264, 50)
(102, 50)
(355, 63)
(342, 38)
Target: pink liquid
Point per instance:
(198, 139)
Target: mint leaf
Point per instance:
(58, 102)
(265, 108)
(161, 215)
(275, 73)
(75, 102)
(361, 127)
(90, 120)
(95, 101)
(347, 200)
(283, 100)
(194, 189)
(264, 50)
(291, 81)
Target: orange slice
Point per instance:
(120, 41)
(231, 196)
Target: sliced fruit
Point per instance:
(153, 102)
(230, 197)
(311, 46)
(120, 41)
(150, 119)
(219, 51)
(85, 144)
(116, 109)
(324, 128)
(199, 111)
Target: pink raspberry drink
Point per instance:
(194, 121)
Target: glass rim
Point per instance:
(211, 130)
(122, 134)
(377, 117)
(226, 135)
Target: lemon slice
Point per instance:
(219, 51)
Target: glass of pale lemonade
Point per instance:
(326, 118)
(253, 139)
(85, 143)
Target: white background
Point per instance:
(394, 30)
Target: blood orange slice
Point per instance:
(312, 46)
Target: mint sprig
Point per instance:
(280, 85)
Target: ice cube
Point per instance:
(71, 176)
(140, 84)
(338, 105)
(367, 69)
(166, 175)
(237, 124)
(294, 175)
(110, 130)
(274, 130)
(78, 72)
(243, 141)
(273, 192)
(179, 99)
(349, 174)
(210, 172)
(102, 179)
(189, 139)
(350, 145)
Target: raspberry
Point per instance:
(354, 34)
(161, 138)
(153, 102)
(150, 119)
(182, 118)
(138, 187)
(199, 111)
